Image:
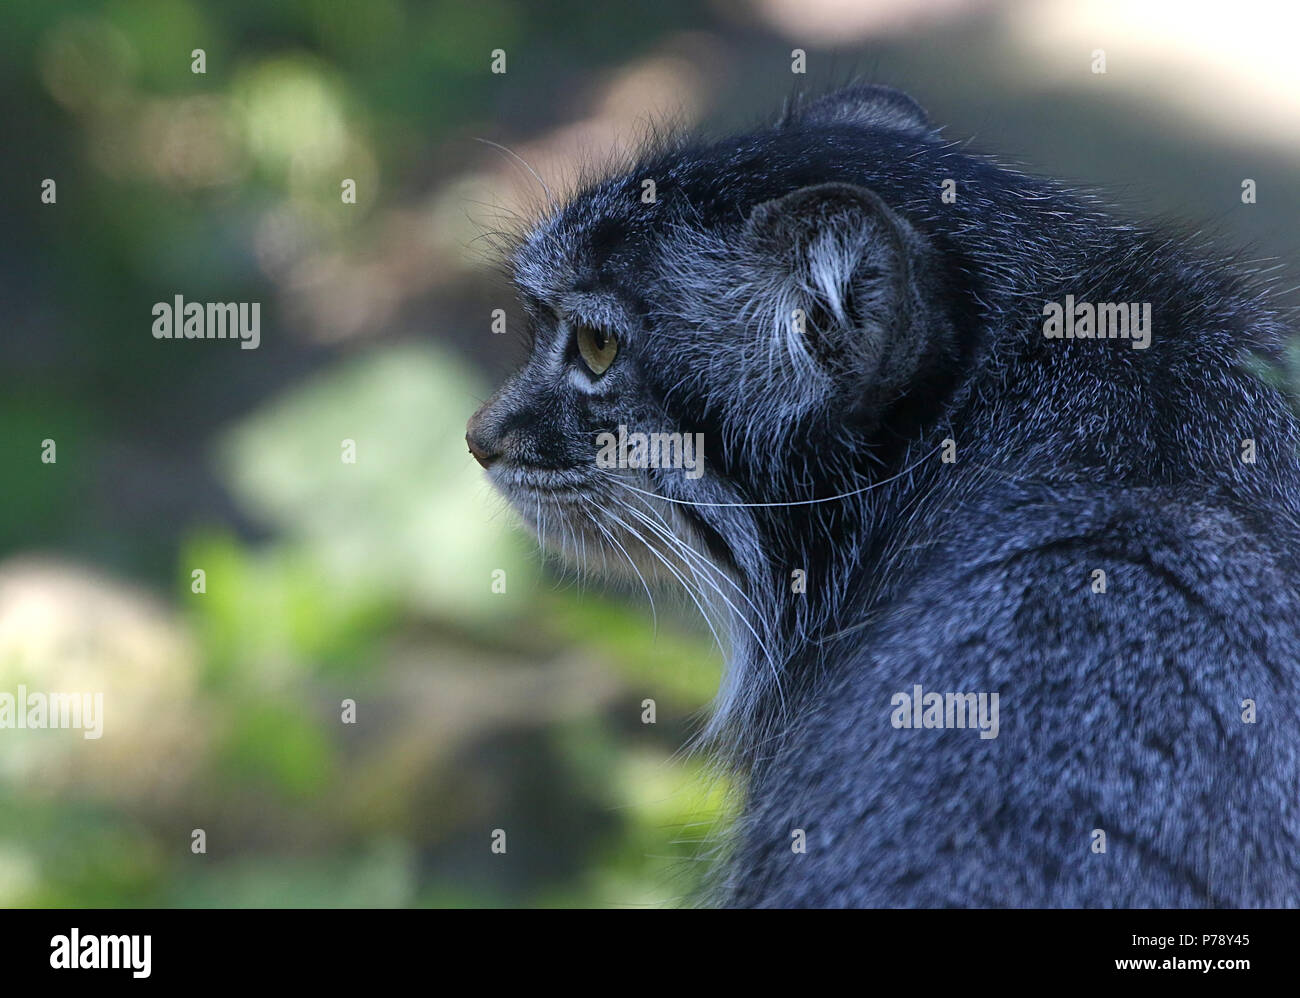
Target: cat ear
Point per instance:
(867, 105)
(849, 284)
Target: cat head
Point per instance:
(719, 331)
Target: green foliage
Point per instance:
(325, 581)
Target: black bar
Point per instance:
(212, 947)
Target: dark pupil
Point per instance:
(599, 338)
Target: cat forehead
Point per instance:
(600, 237)
(614, 231)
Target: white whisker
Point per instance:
(795, 502)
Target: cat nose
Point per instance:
(481, 454)
(484, 452)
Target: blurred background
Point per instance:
(327, 581)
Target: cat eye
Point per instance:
(598, 348)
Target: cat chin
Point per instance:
(591, 535)
(609, 554)
(614, 528)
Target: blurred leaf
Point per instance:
(276, 744)
(666, 661)
(379, 878)
(407, 521)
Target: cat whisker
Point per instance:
(794, 502)
(684, 553)
(692, 559)
(654, 616)
(677, 545)
(691, 591)
(550, 198)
